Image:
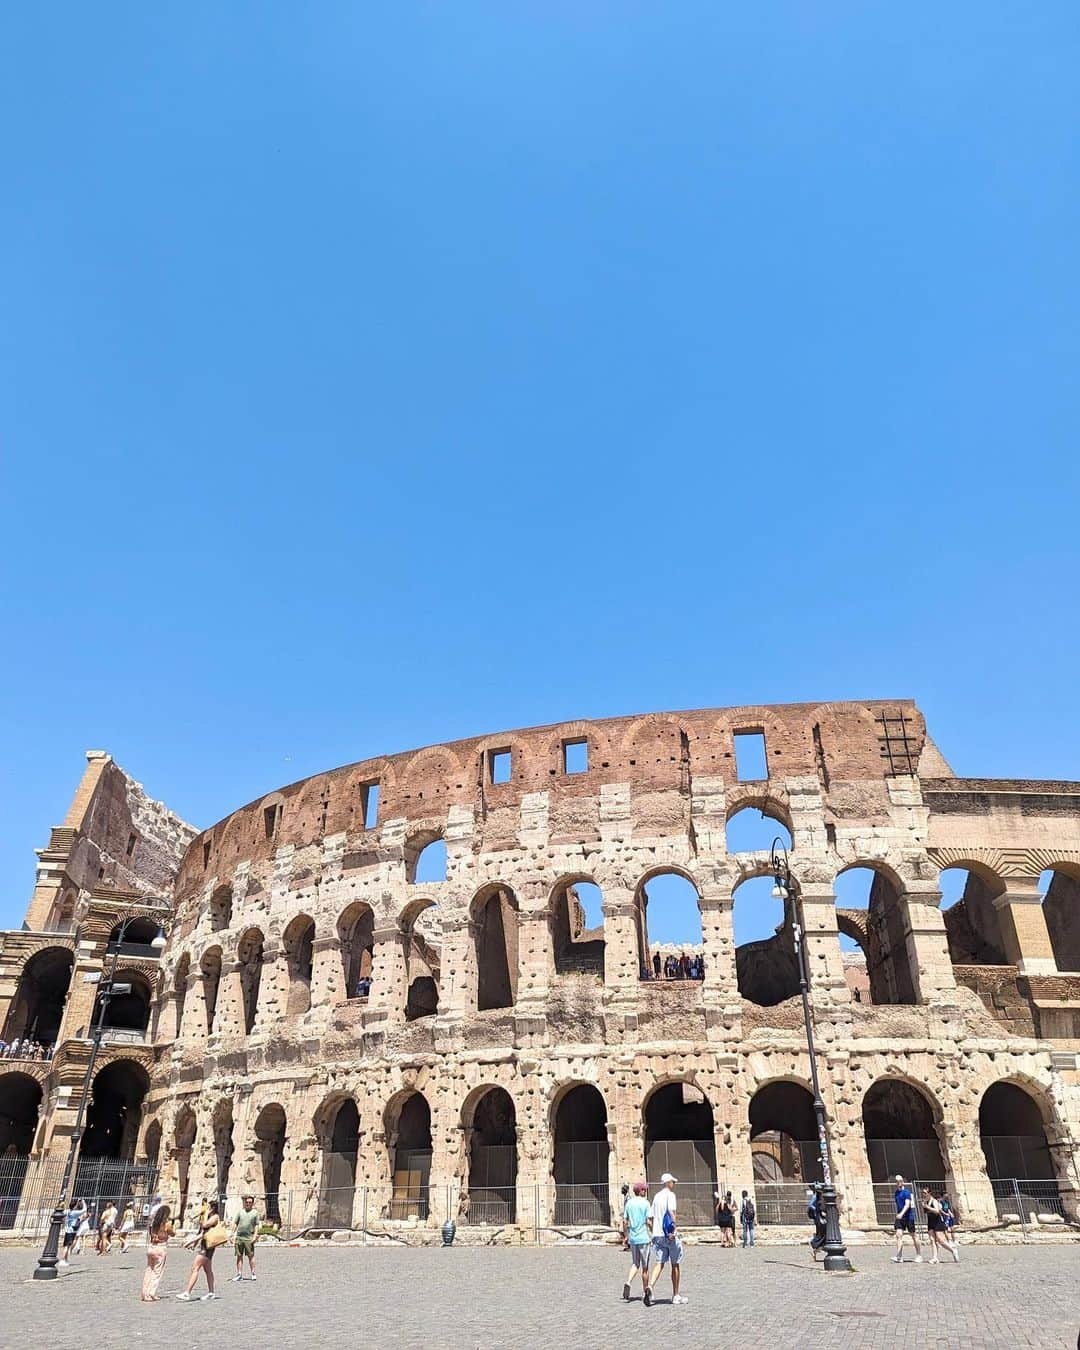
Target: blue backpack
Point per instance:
(669, 1223)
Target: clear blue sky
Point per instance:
(377, 375)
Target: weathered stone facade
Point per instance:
(269, 1072)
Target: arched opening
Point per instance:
(422, 999)
(411, 1149)
(784, 1150)
(153, 1142)
(495, 926)
(679, 1139)
(972, 924)
(1018, 1158)
(870, 919)
(20, 1105)
(753, 829)
(38, 1006)
(425, 859)
(138, 940)
(211, 974)
(356, 930)
(1061, 909)
(221, 907)
(901, 1138)
(115, 1111)
(765, 961)
(270, 1150)
(580, 1162)
(62, 919)
(183, 1143)
(180, 984)
(223, 1146)
(341, 1136)
(420, 929)
(577, 928)
(249, 954)
(127, 1015)
(667, 912)
(492, 1159)
(298, 941)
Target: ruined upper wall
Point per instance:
(850, 748)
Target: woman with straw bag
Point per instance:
(212, 1235)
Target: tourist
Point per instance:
(247, 1227)
(84, 1229)
(204, 1244)
(905, 1220)
(748, 1219)
(106, 1224)
(815, 1212)
(667, 1248)
(636, 1214)
(363, 986)
(725, 1218)
(159, 1230)
(127, 1226)
(72, 1222)
(684, 967)
(935, 1227)
(656, 965)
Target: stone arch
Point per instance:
(20, 1095)
(580, 1154)
(972, 923)
(221, 907)
(249, 956)
(577, 946)
(1060, 884)
(753, 820)
(881, 931)
(494, 913)
(115, 1111)
(40, 997)
(337, 1128)
(180, 986)
(902, 1128)
(407, 1123)
(224, 1145)
(1014, 1114)
(152, 1142)
(139, 937)
(356, 932)
(679, 1133)
(676, 925)
(184, 1132)
(270, 1138)
(210, 966)
(489, 1124)
(425, 852)
(131, 1011)
(784, 1147)
(298, 946)
(767, 967)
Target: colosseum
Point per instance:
(374, 1043)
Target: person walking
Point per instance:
(748, 1219)
(636, 1214)
(667, 1248)
(205, 1243)
(815, 1212)
(247, 1226)
(72, 1221)
(84, 1229)
(159, 1230)
(106, 1224)
(905, 1220)
(936, 1229)
(127, 1226)
(656, 965)
(725, 1217)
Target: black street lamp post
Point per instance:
(787, 888)
(107, 989)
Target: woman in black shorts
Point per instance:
(935, 1226)
(204, 1254)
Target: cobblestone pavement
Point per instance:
(559, 1296)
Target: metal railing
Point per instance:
(29, 1189)
(1026, 1201)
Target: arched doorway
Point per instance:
(180, 985)
(223, 1146)
(577, 929)
(1018, 1158)
(39, 1001)
(580, 1163)
(210, 966)
(667, 917)
(870, 914)
(270, 1148)
(127, 1013)
(766, 966)
(784, 1150)
(901, 1139)
(410, 1134)
(495, 920)
(140, 938)
(298, 941)
(183, 1143)
(20, 1105)
(1060, 887)
(356, 931)
(492, 1158)
(108, 1168)
(249, 953)
(422, 999)
(152, 1143)
(341, 1135)
(972, 923)
(679, 1139)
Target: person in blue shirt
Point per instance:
(905, 1219)
(72, 1219)
(636, 1214)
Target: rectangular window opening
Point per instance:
(132, 838)
(370, 797)
(575, 756)
(751, 764)
(206, 853)
(270, 820)
(499, 765)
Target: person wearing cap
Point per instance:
(667, 1249)
(636, 1213)
(905, 1219)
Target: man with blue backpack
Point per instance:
(667, 1247)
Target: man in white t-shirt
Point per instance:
(667, 1248)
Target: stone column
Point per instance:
(823, 957)
(389, 972)
(622, 962)
(927, 942)
(1023, 927)
(194, 1022)
(327, 972)
(273, 987)
(965, 1163)
(720, 988)
(457, 968)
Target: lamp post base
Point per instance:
(835, 1251)
(49, 1258)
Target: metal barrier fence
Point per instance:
(1023, 1200)
(30, 1188)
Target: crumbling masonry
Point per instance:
(322, 1024)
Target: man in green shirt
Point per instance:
(247, 1225)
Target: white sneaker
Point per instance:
(184, 1298)
(956, 1255)
(918, 1260)
(252, 1276)
(236, 1278)
(898, 1260)
(205, 1297)
(678, 1298)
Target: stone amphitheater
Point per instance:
(366, 1050)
